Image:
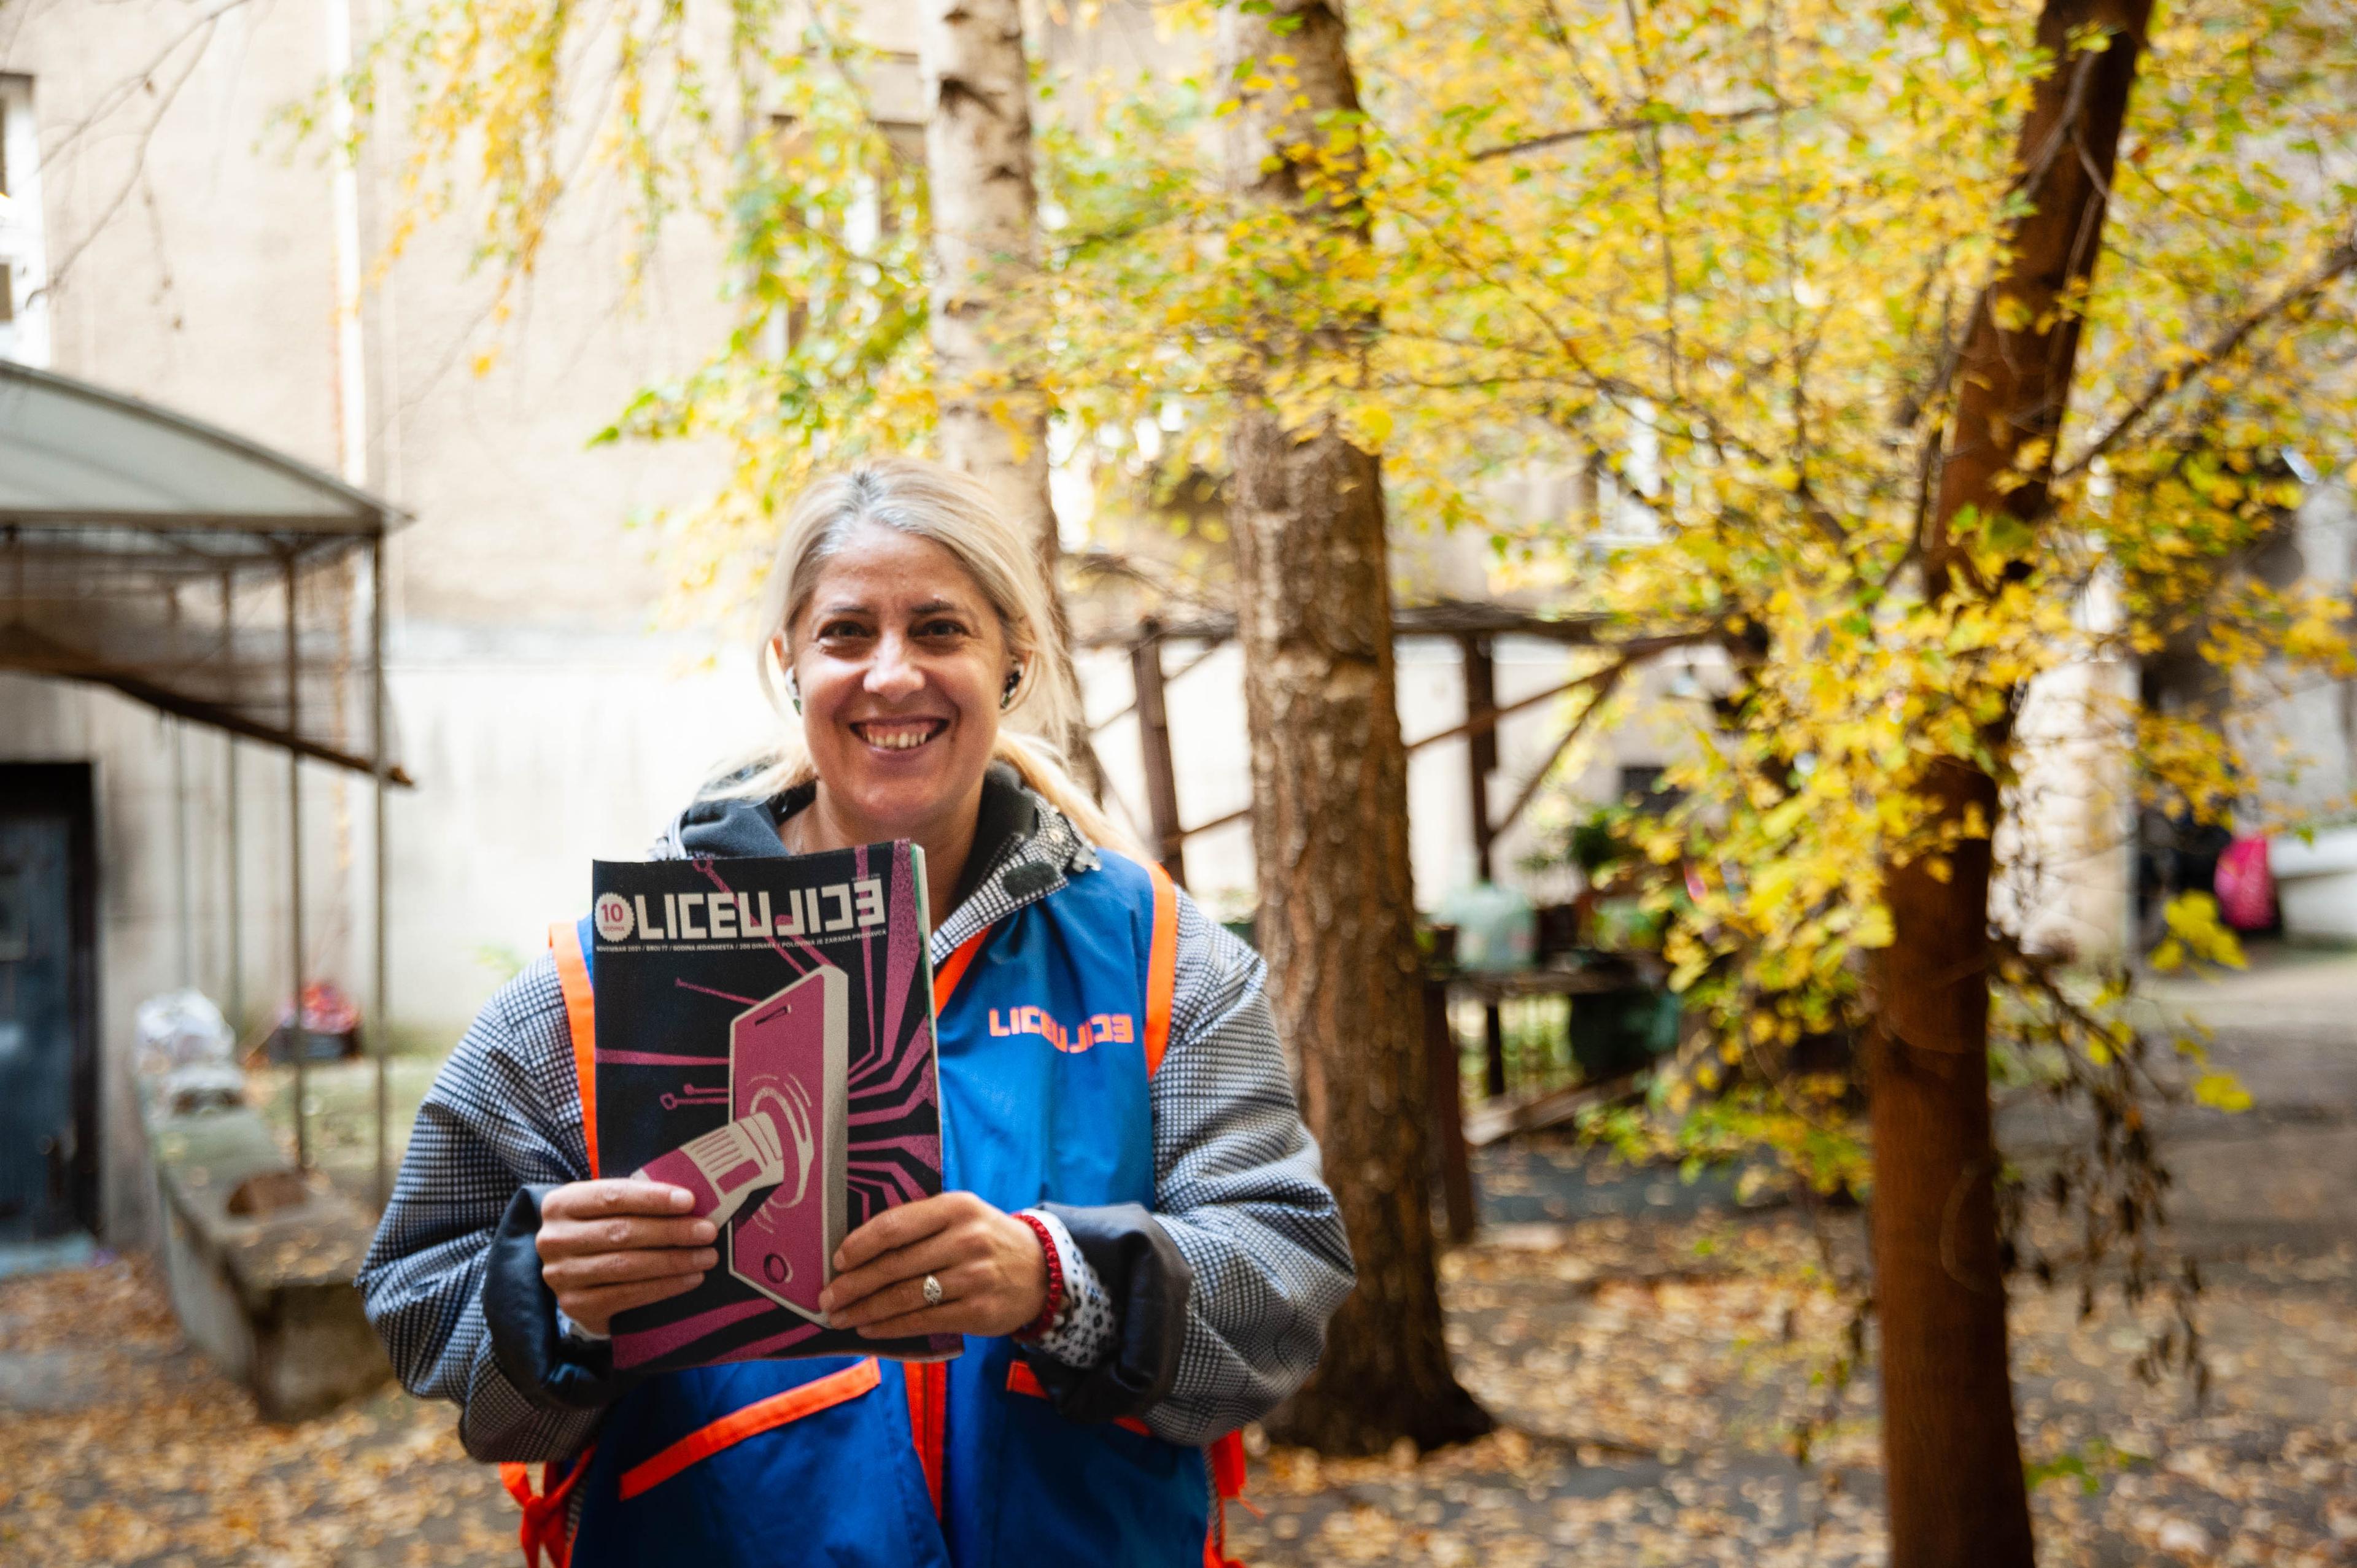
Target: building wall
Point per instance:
(2300, 731)
(193, 253)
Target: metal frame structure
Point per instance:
(1474, 627)
(160, 556)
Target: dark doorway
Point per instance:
(48, 1001)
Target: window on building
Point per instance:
(23, 256)
(1642, 786)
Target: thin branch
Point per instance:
(143, 79)
(1572, 732)
(1619, 393)
(1633, 651)
(1620, 128)
(202, 30)
(1557, 31)
(2337, 263)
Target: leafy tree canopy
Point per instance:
(1722, 252)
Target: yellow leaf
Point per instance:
(2194, 922)
(2221, 1090)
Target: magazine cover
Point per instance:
(765, 1039)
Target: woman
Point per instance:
(1136, 1241)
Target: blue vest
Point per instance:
(1049, 1025)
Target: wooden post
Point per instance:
(1481, 746)
(1481, 761)
(378, 762)
(1493, 1046)
(1448, 1093)
(295, 877)
(1154, 742)
(184, 908)
(231, 808)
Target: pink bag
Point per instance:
(2246, 889)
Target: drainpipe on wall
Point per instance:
(352, 450)
(351, 368)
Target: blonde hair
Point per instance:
(928, 502)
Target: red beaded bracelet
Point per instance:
(1047, 1313)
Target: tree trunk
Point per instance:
(984, 212)
(1951, 1458)
(1329, 820)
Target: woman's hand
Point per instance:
(608, 1246)
(993, 1274)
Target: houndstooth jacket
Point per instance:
(1238, 1189)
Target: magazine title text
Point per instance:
(832, 908)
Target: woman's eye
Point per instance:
(842, 630)
(941, 627)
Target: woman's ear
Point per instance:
(786, 668)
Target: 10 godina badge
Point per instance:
(613, 914)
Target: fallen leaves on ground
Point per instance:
(121, 1446)
(1646, 1370)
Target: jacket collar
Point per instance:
(1028, 849)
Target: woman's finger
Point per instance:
(970, 1285)
(595, 1309)
(580, 1238)
(936, 1254)
(902, 1227)
(615, 1195)
(617, 1268)
(983, 1315)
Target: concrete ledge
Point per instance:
(259, 1262)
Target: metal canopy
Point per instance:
(187, 568)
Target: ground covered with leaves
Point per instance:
(1649, 1371)
(120, 1445)
(1651, 1346)
(1650, 1374)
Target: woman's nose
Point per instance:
(891, 673)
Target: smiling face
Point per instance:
(900, 661)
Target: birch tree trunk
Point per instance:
(984, 211)
(1951, 1458)
(1329, 811)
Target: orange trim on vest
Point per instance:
(1022, 1379)
(762, 1415)
(581, 1015)
(1228, 1464)
(929, 1385)
(547, 1526)
(1162, 967)
(1227, 1459)
(928, 1395)
(946, 979)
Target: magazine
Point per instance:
(765, 1039)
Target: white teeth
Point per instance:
(898, 740)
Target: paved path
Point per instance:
(2281, 1176)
